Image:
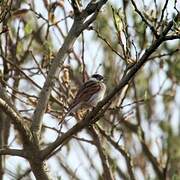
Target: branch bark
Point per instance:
(45, 92)
(146, 151)
(40, 169)
(122, 150)
(16, 119)
(144, 20)
(107, 174)
(31, 150)
(92, 116)
(13, 152)
(74, 32)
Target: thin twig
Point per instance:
(122, 150)
(108, 44)
(92, 117)
(144, 19)
(163, 10)
(107, 174)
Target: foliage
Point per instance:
(137, 134)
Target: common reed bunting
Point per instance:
(89, 94)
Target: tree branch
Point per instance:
(144, 20)
(45, 92)
(163, 10)
(172, 37)
(76, 6)
(122, 150)
(92, 117)
(153, 160)
(146, 150)
(107, 174)
(74, 32)
(16, 119)
(13, 152)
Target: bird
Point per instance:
(89, 94)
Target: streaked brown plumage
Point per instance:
(89, 94)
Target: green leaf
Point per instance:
(28, 28)
(118, 19)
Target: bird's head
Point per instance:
(97, 77)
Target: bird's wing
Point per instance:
(86, 91)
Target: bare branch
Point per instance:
(172, 37)
(76, 29)
(146, 151)
(46, 91)
(13, 152)
(16, 119)
(92, 117)
(20, 70)
(163, 10)
(67, 169)
(122, 150)
(165, 54)
(153, 160)
(26, 173)
(76, 4)
(107, 174)
(108, 44)
(93, 7)
(144, 19)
